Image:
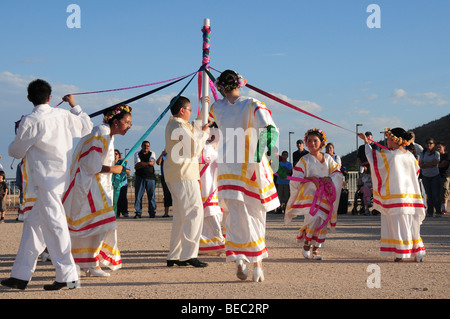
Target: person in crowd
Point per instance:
(431, 180)
(145, 181)
(299, 152)
(397, 196)
(166, 192)
(444, 171)
(122, 201)
(282, 184)
(329, 149)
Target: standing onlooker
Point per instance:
(166, 192)
(299, 152)
(417, 147)
(444, 169)
(282, 184)
(145, 181)
(361, 156)
(122, 201)
(3, 193)
(431, 179)
(329, 149)
(44, 140)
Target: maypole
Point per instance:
(205, 63)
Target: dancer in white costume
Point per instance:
(88, 200)
(212, 241)
(321, 212)
(44, 140)
(396, 194)
(246, 188)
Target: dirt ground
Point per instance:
(349, 269)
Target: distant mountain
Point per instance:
(438, 129)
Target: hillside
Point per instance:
(438, 129)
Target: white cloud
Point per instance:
(418, 99)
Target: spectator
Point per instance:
(299, 152)
(144, 161)
(122, 202)
(431, 179)
(444, 170)
(166, 192)
(283, 184)
(329, 149)
(361, 156)
(417, 147)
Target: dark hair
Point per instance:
(39, 92)
(2, 173)
(399, 132)
(117, 151)
(228, 80)
(145, 142)
(179, 104)
(118, 117)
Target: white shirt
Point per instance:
(45, 138)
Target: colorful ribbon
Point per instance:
(119, 179)
(325, 190)
(206, 44)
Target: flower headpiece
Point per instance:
(240, 83)
(398, 140)
(322, 133)
(110, 114)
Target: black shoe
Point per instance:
(170, 263)
(15, 283)
(137, 216)
(59, 285)
(196, 263)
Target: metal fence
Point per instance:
(13, 197)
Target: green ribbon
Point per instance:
(267, 138)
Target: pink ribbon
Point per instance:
(325, 190)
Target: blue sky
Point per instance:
(318, 55)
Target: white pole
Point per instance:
(205, 85)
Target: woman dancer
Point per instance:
(396, 194)
(88, 200)
(317, 174)
(245, 187)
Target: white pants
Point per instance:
(187, 220)
(45, 226)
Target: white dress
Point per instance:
(212, 240)
(302, 198)
(397, 196)
(88, 202)
(245, 188)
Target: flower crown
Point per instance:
(110, 114)
(241, 82)
(398, 140)
(322, 133)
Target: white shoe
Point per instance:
(258, 274)
(96, 272)
(306, 253)
(241, 270)
(316, 257)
